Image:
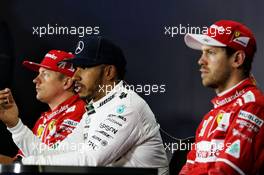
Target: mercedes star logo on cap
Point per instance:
(79, 47)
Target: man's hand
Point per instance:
(8, 108)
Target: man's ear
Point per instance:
(110, 72)
(68, 83)
(238, 58)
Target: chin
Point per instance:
(204, 82)
(210, 85)
(41, 100)
(207, 83)
(38, 98)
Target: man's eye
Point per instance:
(210, 52)
(45, 74)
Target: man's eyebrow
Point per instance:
(208, 49)
(205, 50)
(43, 71)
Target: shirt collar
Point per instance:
(108, 97)
(232, 93)
(230, 89)
(63, 106)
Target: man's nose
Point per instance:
(36, 80)
(202, 60)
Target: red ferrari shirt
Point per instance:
(55, 125)
(229, 140)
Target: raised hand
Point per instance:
(8, 108)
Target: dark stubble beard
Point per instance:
(98, 83)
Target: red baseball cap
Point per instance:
(52, 60)
(224, 33)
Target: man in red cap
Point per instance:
(229, 140)
(55, 87)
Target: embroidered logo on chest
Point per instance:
(219, 122)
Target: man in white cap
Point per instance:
(55, 87)
(229, 140)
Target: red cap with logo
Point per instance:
(52, 60)
(224, 33)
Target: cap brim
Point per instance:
(34, 66)
(195, 41)
(82, 62)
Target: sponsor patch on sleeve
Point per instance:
(250, 117)
(234, 149)
(245, 124)
(249, 97)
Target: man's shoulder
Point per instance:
(253, 105)
(129, 101)
(254, 97)
(131, 98)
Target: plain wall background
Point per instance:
(138, 28)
